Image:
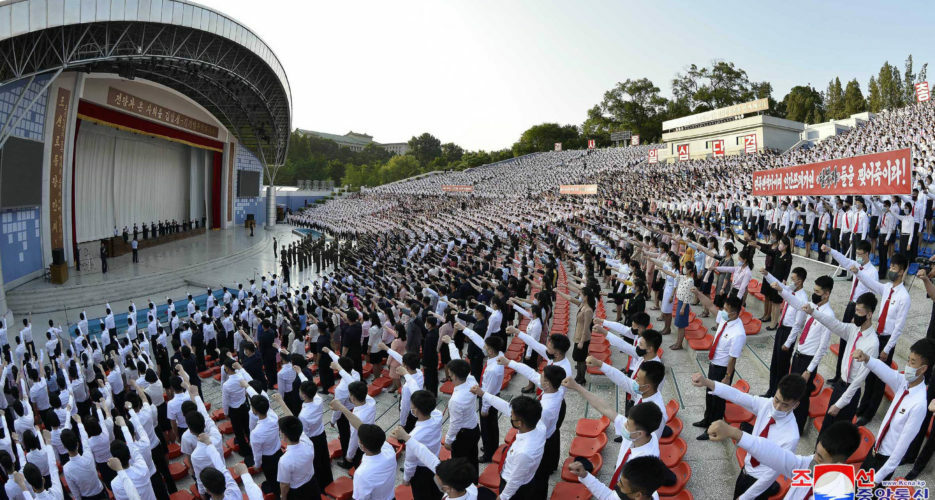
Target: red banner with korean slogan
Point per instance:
(454, 188)
(879, 173)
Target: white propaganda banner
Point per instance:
(717, 147)
(635, 140)
(591, 143)
(558, 146)
(922, 91)
(683, 152)
(653, 156)
(578, 189)
(749, 143)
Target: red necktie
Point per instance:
(854, 286)
(716, 340)
(808, 326)
(765, 432)
(856, 220)
(837, 216)
(785, 306)
(850, 360)
(886, 426)
(616, 476)
(809, 495)
(886, 308)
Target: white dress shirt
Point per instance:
(232, 394)
(295, 464)
(817, 336)
(905, 416)
(790, 317)
(367, 413)
(429, 459)
(375, 479)
(857, 288)
(429, 434)
(535, 345)
(730, 345)
(81, 472)
(780, 460)
(898, 310)
(174, 409)
(524, 455)
(264, 438)
(784, 431)
(551, 402)
(853, 372)
(461, 407)
(632, 388)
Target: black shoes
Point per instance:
(702, 424)
(618, 439)
(344, 464)
(703, 437)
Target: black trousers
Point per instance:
(160, 455)
(745, 481)
(779, 364)
(240, 422)
(800, 363)
(160, 487)
(270, 466)
(845, 414)
(552, 450)
(874, 389)
(423, 485)
(465, 445)
(430, 376)
(476, 359)
(875, 461)
(842, 343)
(714, 406)
(136, 255)
(533, 490)
(882, 253)
(344, 435)
(308, 490)
(490, 432)
(836, 239)
(322, 461)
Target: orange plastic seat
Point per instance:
(591, 427)
(741, 455)
(753, 327)
(676, 425)
(497, 456)
(175, 451)
(735, 414)
(596, 460)
(490, 478)
(178, 470)
(334, 449)
(403, 492)
(447, 388)
(231, 444)
(742, 386)
(182, 495)
(510, 436)
(570, 491)
(702, 344)
(671, 454)
(218, 415)
(819, 384)
(206, 373)
(818, 405)
(341, 489)
(672, 409)
(226, 427)
(587, 447)
(374, 390)
(784, 485)
(682, 474)
(866, 443)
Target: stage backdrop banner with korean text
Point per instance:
(452, 188)
(578, 189)
(886, 173)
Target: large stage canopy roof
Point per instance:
(209, 57)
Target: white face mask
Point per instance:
(780, 414)
(910, 374)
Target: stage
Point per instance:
(216, 259)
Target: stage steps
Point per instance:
(39, 300)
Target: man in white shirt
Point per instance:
(636, 429)
(414, 381)
(643, 387)
(774, 421)
(894, 309)
(725, 350)
(296, 478)
(463, 426)
(862, 261)
(906, 414)
(365, 409)
(521, 460)
(638, 479)
(810, 342)
(789, 319)
(264, 440)
(427, 432)
(860, 335)
(80, 470)
(491, 381)
(132, 471)
(835, 446)
(222, 486)
(375, 478)
(235, 405)
(455, 477)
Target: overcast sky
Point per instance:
(480, 72)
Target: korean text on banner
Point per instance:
(885, 173)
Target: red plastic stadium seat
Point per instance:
(178, 470)
(175, 451)
(218, 415)
(819, 384)
(818, 405)
(676, 425)
(226, 427)
(182, 495)
(587, 447)
(447, 388)
(702, 344)
(510, 436)
(784, 484)
(490, 478)
(671, 454)
(570, 491)
(403, 492)
(341, 489)
(682, 474)
(682, 495)
(232, 445)
(334, 449)
(672, 409)
(734, 414)
(741, 455)
(596, 460)
(498, 454)
(866, 443)
(591, 427)
(206, 373)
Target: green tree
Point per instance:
(451, 153)
(722, 84)
(853, 99)
(637, 106)
(543, 137)
(804, 104)
(399, 167)
(598, 126)
(874, 96)
(425, 148)
(891, 87)
(834, 100)
(910, 79)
